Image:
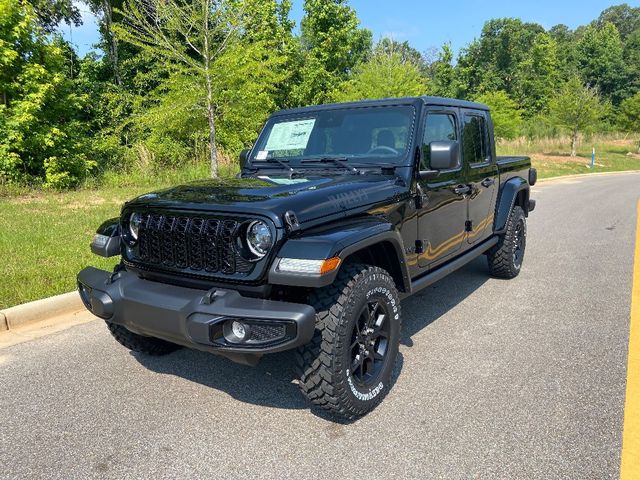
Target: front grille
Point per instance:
(198, 244)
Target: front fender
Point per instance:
(110, 228)
(340, 240)
(506, 200)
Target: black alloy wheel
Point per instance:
(369, 343)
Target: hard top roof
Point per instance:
(427, 100)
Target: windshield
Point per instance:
(362, 135)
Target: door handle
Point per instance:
(462, 189)
(487, 182)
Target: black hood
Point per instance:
(309, 197)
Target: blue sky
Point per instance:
(426, 24)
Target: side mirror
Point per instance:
(244, 158)
(443, 155)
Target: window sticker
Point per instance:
(290, 135)
(262, 155)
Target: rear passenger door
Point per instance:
(441, 219)
(481, 173)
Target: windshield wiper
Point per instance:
(283, 163)
(340, 161)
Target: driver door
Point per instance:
(442, 216)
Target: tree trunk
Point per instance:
(211, 112)
(574, 142)
(113, 41)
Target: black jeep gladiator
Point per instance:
(339, 212)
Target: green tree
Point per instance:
(601, 62)
(105, 9)
(576, 108)
(50, 13)
(443, 74)
(491, 62)
(565, 40)
(332, 44)
(385, 75)
(625, 18)
(537, 75)
(42, 132)
(407, 53)
(630, 114)
(196, 38)
(267, 22)
(631, 56)
(507, 118)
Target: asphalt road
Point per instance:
(497, 379)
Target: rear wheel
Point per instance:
(505, 259)
(139, 343)
(347, 367)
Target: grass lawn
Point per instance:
(44, 236)
(44, 240)
(551, 157)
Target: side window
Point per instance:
(438, 127)
(475, 147)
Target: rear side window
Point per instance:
(438, 127)
(475, 145)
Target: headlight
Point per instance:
(135, 220)
(259, 239)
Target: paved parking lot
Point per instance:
(496, 379)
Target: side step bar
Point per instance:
(441, 272)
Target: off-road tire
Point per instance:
(139, 343)
(505, 261)
(324, 363)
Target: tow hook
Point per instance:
(211, 296)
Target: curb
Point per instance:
(594, 174)
(40, 310)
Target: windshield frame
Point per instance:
(306, 161)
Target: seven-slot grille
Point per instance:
(200, 244)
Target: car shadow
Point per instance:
(272, 383)
(428, 305)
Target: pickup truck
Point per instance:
(339, 212)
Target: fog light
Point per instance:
(236, 331)
(240, 330)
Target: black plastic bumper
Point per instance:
(194, 318)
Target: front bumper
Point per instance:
(194, 318)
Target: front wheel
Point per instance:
(347, 367)
(505, 259)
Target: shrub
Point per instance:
(66, 172)
(629, 117)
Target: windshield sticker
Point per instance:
(283, 181)
(290, 135)
(262, 155)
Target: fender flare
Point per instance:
(507, 199)
(110, 244)
(110, 228)
(343, 241)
